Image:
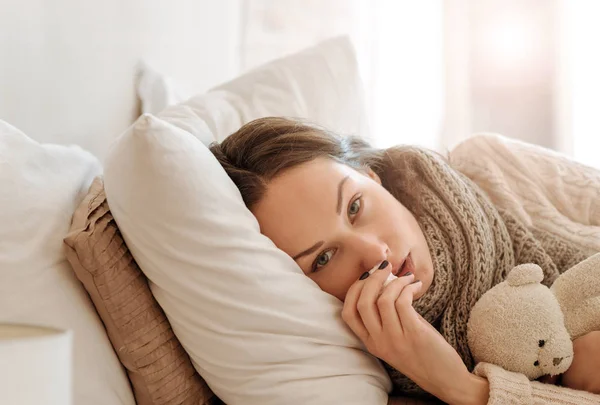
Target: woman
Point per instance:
(351, 215)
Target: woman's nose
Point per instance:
(369, 249)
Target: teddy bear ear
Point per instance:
(522, 274)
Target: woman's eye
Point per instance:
(354, 207)
(323, 259)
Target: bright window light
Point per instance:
(511, 40)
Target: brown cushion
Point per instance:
(159, 369)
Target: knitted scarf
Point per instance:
(473, 245)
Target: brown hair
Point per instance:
(261, 149)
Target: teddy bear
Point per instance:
(526, 327)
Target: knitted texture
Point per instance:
(547, 191)
(513, 388)
(472, 244)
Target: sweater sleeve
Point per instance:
(513, 388)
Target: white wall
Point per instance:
(67, 67)
(582, 51)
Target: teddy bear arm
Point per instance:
(580, 282)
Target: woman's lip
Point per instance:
(406, 266)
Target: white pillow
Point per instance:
(155, 90)
(40, 187)
(321, 84)
(257, 329)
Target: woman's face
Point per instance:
(337, 223)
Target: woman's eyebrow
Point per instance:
(338, 210)
(340, 189)
(309, 250)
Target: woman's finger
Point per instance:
(367, 302)
(387, 303)
(409, 318)
(350, 313)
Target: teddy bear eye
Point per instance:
(541, 343)
(537, 363)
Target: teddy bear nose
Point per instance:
(557, 361)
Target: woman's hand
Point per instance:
(584, 373)
(392, 330)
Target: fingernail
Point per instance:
(383, 264)
(407, 274)
(378, 266)
(364, 275)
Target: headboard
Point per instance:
(68, 67)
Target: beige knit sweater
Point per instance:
(553, 196)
